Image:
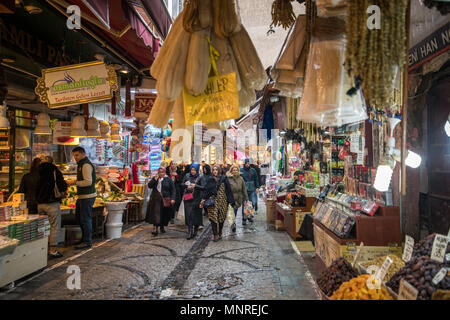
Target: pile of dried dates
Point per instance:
(419, 272)
(337, 273)
(424, 247)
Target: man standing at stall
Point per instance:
(86, 195)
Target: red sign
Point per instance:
(143, 104)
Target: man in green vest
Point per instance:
(86, 195)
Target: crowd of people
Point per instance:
(203, 190)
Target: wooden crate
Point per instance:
(26, 259)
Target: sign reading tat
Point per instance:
(76, 84)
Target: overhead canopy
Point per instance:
(157, 11)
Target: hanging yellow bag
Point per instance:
(218, 102)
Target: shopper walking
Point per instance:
(192, 195)
(251, 183)
(258, 173)
(203, 180)
(28, 186)
(239, 191)
(162, 200)
(174, 173)
(86, 195)
(216, 198)
(51, 190)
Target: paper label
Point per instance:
(439, 248)
(447, 257)
(384, 269)
(439, 276)
(407, 291)
(357, 253)
(409, 246)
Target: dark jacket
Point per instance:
(198, 190)
(251, 179)
(46, 184)
(167, 187)
(28, 186)
(212, 187)
(258, 172)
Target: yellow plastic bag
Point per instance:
(218, 102)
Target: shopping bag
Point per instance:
(230, 215)
(248, 210)
(180, 215)
(218, 102)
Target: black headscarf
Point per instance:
(207, 167)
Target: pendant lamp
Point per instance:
(115, 131)
(78, 130)
(104, 131)
(43, 124)
(93, 131)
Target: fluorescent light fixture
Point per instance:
(412, 160)
(383, 178)
(447, 126)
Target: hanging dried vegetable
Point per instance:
(376, 55)
(191, 19)
(226, 17)
(282, 14)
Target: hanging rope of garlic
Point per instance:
(375, 54)
(282, 14)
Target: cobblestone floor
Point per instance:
(256, 262)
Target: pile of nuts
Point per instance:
(396, 265)
(356, 289)
(419, 272)
(424, 247)
(338, 272)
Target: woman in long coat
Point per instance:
(157, 214)
(239, 190)
(192, 211)
(175, 174)
(217, 188)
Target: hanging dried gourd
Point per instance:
(191, 19)
(376, 55)
(226, 17)
(282, 14)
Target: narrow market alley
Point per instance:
(256, 262)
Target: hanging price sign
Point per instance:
(439, 248)
(408, 250)
(357, 253)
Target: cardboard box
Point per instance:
(18, 197)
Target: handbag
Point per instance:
(209, 202)
(166, 202)
(188, 196)
(58, 194)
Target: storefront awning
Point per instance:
(157, 11)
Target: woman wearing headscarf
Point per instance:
(238, 189)
(174, 173)
(161, 202)
(203, 180)
(192, 197)
(216, 197)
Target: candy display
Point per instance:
(356, 289)
(396, 265)
(333, 276)
(419, 272)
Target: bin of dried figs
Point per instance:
(424, 247)
(396, 265)
(419, 272)
(332, 277)
(356, 289)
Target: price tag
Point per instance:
(357, 253)
(439, 276)
(407, 291)
(409, 246)
(439, 248)
(381, 273)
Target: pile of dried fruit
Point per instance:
(419, 272)
(396, 265)
(356, 289)
(333, 276)
(424, 247)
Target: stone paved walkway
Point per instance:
(256, 262)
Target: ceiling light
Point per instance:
(383, 177)
(43, 124)
(77, 130)
(447, 126)
(32, 6)
(124, 70)
(93, 131)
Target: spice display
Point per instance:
(282, 14)
(356, 289)
(337, 273)
(419, 272)
(376, 55)
(424, 247)
(396, 265)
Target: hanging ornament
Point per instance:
(113, 104)
(127, 99)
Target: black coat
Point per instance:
(167, 187)
(212, 187)
(46, 183)
(28, 186)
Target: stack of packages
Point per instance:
(327, 99)
(113, 174)
(289, 70)
(16, 231)
(103, 171)
(184, 60)
(5, 212)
